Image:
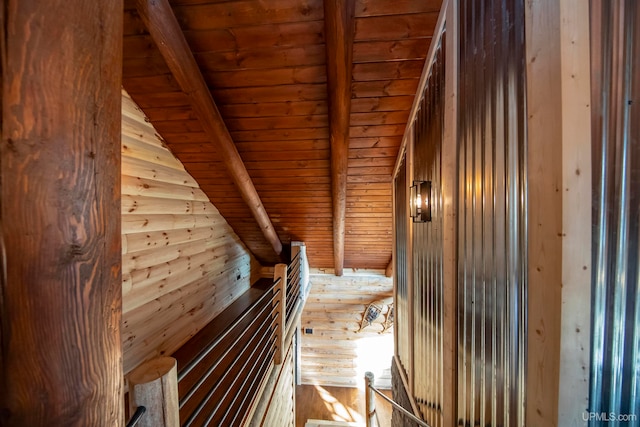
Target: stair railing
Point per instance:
(371, 403)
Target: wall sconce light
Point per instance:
(421, 201)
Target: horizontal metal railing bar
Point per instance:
(267, 336)
(244, 391)
(296, 307)
(264, 369)
(189, 367)
(294, 270)
(213, 367)
(137, 416)
(229, 389)
(399, 408)
(293, 294)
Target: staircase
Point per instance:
(323, 423)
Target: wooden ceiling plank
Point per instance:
(275, 109)
(395, 27)
(165, 30)
(396, 7)
(265, 35)
(237, 14)
(339, 35)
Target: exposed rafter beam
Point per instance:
(389, 270)
(163, 26)
(339, 33)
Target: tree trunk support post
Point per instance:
(154, 385)
(280, 272)
(370, 400)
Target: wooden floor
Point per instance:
(337, 404)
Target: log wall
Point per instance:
(182, 264)
(333, 353)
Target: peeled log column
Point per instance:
(60, 301)
(154, 385)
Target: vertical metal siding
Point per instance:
(402, 313)
(615, 370)
(428, 285)
(492, 214)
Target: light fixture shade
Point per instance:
(420, 201)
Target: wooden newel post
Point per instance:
(280, 272)
(154, 385)
(370, 401)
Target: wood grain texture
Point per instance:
(333, 352)
(60, 194)
(182, 263)
(340, 404)
(164, 28)
(544, 246)
(265, 62)
(278, 402)
(339, 34)
(154, 385)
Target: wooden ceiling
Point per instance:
(283, 103)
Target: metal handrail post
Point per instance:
(370, 407)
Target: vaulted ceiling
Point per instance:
(313, 97)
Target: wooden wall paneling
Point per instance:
(182, 262)
(334, 353)
(575, 35)
(61, 357)
(544, 163)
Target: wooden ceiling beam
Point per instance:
(339, 33)
(163, 26)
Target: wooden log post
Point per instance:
(154, 385)
(370, 400)
(388, 272)
(60, 296)
(280, 276)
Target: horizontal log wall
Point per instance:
(335, 354)
(182, 264)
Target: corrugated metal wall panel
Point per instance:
(492, 214)
(428, 286)
(615, 373)
(402, 315)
